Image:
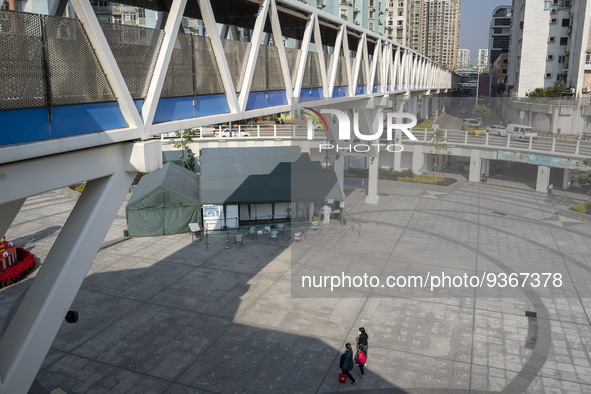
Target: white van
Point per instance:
(521, 132)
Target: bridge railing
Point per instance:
(543, 144)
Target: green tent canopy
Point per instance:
(164, 202)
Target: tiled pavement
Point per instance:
(165, 315)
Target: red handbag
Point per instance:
(342, 378)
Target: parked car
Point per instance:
(497, 129)
(475, 130)
(521, 132)
(231, 133)
(470, 122)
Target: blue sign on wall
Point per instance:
(540, 160)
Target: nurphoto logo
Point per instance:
(394, 121)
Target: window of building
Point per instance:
(563, 40)
(372, 3)
(370, 25)
(588, 58)
(504, 71)
(344, 13)
(566, 22)
(553, 20)
(372, 14)
(561, 59)
(547, 4)
(343, 1)
(548, 75)
(551, 39)
(550, 57)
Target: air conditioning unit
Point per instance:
(356, 22)
(356, 10)
(585, 90)
(561, 5)
(553, 11)
(569, 30)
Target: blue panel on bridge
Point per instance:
(360, 90)
(272, 98)
(376, 88)
(32, 124)
(23, 125)
(311, 94)
(176, 108)
(340, 91)
(86, 118)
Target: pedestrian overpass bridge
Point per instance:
(79, 100)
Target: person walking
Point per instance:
(361, 359)
(362, 340)
(346, 364)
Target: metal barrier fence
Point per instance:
(48, 61)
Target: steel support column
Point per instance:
(33, 328)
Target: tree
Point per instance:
(582, 179)
(439, 145)
(555, 91)
(481, 109)
(186, 137)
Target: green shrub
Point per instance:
(584, 207)
(357, 173)
(426, 179)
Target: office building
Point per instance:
(549, 44)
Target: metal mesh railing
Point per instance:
(236, 53)
(135, 49)
(179, 76)
(207, 75)
(48, 61)
(22, 75)
(75, 74)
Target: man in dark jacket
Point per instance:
(346, 364)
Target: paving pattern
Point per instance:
(166, 315)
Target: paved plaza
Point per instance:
(166, 315)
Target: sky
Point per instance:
(475, 24)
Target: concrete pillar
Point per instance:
(425, 104)
(372, 182)
(412, 105)
(485, 167)
(475, 166)
(543, 179)
(418, 159)
(339, 170)
(566, 178)
(397, 155)
(399, 107)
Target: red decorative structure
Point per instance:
(15, 263)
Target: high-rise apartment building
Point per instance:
(498, 46)
(434, 30)
(370, 14)
(482, 62)
(550, 43)
(398, 20)
(463, 58)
